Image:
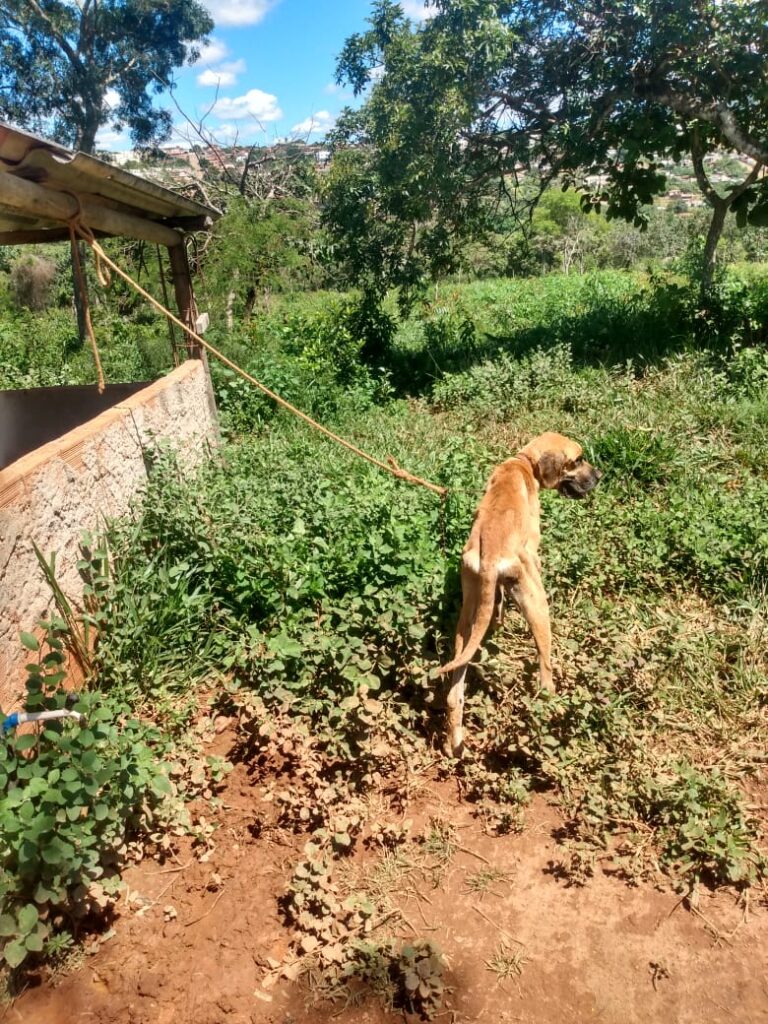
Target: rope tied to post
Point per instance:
(76, 228)
(390, 466)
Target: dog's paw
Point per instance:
(547, 686)
(453, 746)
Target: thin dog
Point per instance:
(501, 557)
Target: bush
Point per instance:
(32, 281)
(504, 386)
(71, 799)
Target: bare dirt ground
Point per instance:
(192, 940)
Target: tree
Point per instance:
(60, 58)
(593, 93)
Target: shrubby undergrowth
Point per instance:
(74, 802)
(316, 586)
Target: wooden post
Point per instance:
(185, 297)
(185, 300)
(167, 304)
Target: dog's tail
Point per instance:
(483, 613)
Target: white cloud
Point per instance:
(227, 132)
(210, 77)
(316, 124)
(261, 106)
(417, 9)
(111, 98)
(224, 75)
(107, 138)
(213, 52)
(242, 133)
(239, 12)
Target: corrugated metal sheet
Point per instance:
(46, 163)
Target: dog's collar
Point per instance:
(524, 458)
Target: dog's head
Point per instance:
(558, 464)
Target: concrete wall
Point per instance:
(71, 484)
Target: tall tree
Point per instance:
(60, 60)
(591, 92)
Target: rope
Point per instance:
(75, 229)
(390, 466)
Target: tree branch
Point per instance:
(60, 39)
(714, 113)
(212, 146)
(713, 198)
(122, 69)
(697, 158)
(749, 180)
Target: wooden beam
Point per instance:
(46, 204)
(40, 236)
(202, 223)
(185, 297)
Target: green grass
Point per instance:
(308, 573)
(315, 584)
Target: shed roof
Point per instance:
(50, 165)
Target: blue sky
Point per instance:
(273, 61)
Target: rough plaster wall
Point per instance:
(70, 485)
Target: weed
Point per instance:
(483, 881)
(441, 841)
(507, 961)
(418, 972)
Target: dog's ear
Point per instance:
(550, 466)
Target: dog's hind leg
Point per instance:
(499, 609)
(528, 591)
(454, 735)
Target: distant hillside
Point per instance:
(184, 167)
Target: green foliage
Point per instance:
(325, 592)
(73, 799)
(704, 829)
(339, 337)
(419, 971)
(259, 248)
(748, 372)
(59, 60)
(601, 318)
(635, 456)
(286, 572)
(43, 350)
(504, 386)
(481, 106)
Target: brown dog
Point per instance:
(501, 557)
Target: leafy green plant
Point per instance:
(74, 799)
(704, 829)
(642, 457)
(419, 972)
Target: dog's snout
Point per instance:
(598, 474)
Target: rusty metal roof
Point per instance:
(48, 164)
